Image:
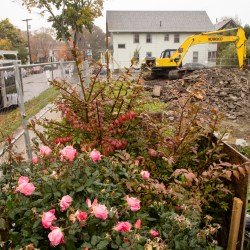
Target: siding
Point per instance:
(122, 57)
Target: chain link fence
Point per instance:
(25, 91)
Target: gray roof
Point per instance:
(158, 21)
(222, 24)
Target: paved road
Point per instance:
(35, 84)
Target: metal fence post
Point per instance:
(22, 111)
(62, 69)
(86, 74)
(3, 89)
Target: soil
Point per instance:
(239, 129)
(226, 89)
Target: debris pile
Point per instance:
(226, 89)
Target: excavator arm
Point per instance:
(160, 65)
(213, 37)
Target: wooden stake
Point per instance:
(235, 224)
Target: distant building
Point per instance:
(148, 33)
(225, 24)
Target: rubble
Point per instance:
(226, 89)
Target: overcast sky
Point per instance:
(215, 9)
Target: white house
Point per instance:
(151, 32)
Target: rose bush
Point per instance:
(111, 176)
(89, 205)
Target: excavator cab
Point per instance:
(167, 53)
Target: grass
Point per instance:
(11, 120)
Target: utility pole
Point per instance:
(27, 22)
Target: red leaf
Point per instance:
(236, 174)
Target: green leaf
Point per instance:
(94, 240)
(37, 202)
(80, 189)
(86, 244)
(37, 223)
(102, 244)
(151, 219)
(114, 246)
(118, 240)
(2, 224)
(57, 194)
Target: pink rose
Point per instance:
(68, 153)
(122, 226)
(138, 224)
(23, 179)
(137, 162)
(89, 204)
(56, 236)
(45, 151)
(65, 202)
(145, 174)
(81, 215)
(100, 211)
(95, 155)
(133, 203)
(47, 218)
(152, 152)
(154, 233)
(35, 159)
(24, 186)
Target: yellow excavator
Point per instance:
(169, 64)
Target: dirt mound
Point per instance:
(226, 89)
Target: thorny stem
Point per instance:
(57, 84)
(187, 133)
(118, 113)
(135, 93)
(98, 93)
(73, 50)
(39, 135)
(93, 84)
(99, 122)
(119, 93)
(182, 114)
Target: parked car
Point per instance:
(37, 70)
(193, 66)
(101, 71)
(50, 67)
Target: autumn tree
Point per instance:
(11, 38)
(247, 30)
(63, 52)
(94, 39)
(41, 45)
(5, 44)
(67, 16)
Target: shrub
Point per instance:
(110, 175)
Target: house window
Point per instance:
(121, 46)
(166, 37)
(148, 54)
(195, 56)
(176, 38)
(137, 55)
(136, 38)
(211, 55)
(148, 38)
